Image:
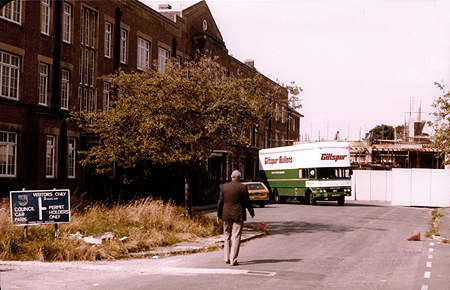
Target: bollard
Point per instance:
(56, 231)
(25, 232)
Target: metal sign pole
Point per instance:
(56, 230)
(25, 232)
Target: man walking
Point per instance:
(233, 201)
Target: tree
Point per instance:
(441, 123)
(179, 116)
(381, 132)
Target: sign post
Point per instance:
(37, 207)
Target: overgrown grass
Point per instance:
(147, 223)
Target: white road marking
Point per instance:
(430, 256)
(427, 274)
(431, 244)
(424, 287)
(428, 264)
(177, 270)
(431, 250)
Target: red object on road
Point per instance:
(262, 226)
(415, 236)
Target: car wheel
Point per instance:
(262, 204)
(341, 201)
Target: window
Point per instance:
(106, 91)
(71, 157)
(45, 17)
(12, 11)
(277, 109)
(123, 46)
(86, 97)
(143, 54)
(65, 89)
(43, 84)
(50, 159)
(9, 75)
(8, 154)
(108, 38)
(88, 53)
(283, 115)
(88, 27)
(67, 23)
(163, 59)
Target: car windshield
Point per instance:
(333, 173)
(255, 186)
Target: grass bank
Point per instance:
(146, 223)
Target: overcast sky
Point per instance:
(359, 62)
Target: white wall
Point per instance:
(408, 187)
(371, 185)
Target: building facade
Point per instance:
(55, 57)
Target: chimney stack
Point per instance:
(250, 63)
(164, 7)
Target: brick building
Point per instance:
(54, 59)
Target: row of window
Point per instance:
(13, 12)
(8, 155)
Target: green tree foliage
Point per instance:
(381, 132)
(441, 123)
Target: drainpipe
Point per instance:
(56, 56)
(117, 39)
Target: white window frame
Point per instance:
(12, 12)
(71, 157)
(9, 75)
(50, 156)
(123, 46)
(44, 69)
(163, 59)
(143, 53)
(67, 23)
(108, 38)
(65, 89)
(9, 168)
(45, 17)
(106, 95)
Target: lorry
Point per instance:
(307, 172)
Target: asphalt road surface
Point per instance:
(357, 246)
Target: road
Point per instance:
(327, 246)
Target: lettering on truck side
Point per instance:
(281, 159)
(331, 156)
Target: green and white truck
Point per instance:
(307, 172)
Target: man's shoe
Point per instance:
(227, 262)
(235, 264)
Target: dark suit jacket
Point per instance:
(233, 201)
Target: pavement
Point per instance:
(444, 223)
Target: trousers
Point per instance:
(232, 234)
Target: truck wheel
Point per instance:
(262, 204)
(341, 200)
(276, 196)
(309, 198)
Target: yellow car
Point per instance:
(258, 193)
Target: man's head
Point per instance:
(236, 175)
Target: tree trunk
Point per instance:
(187, 195)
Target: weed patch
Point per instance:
(145, 223)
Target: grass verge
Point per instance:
(146, 223)
(434, 226)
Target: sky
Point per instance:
(359, 63)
